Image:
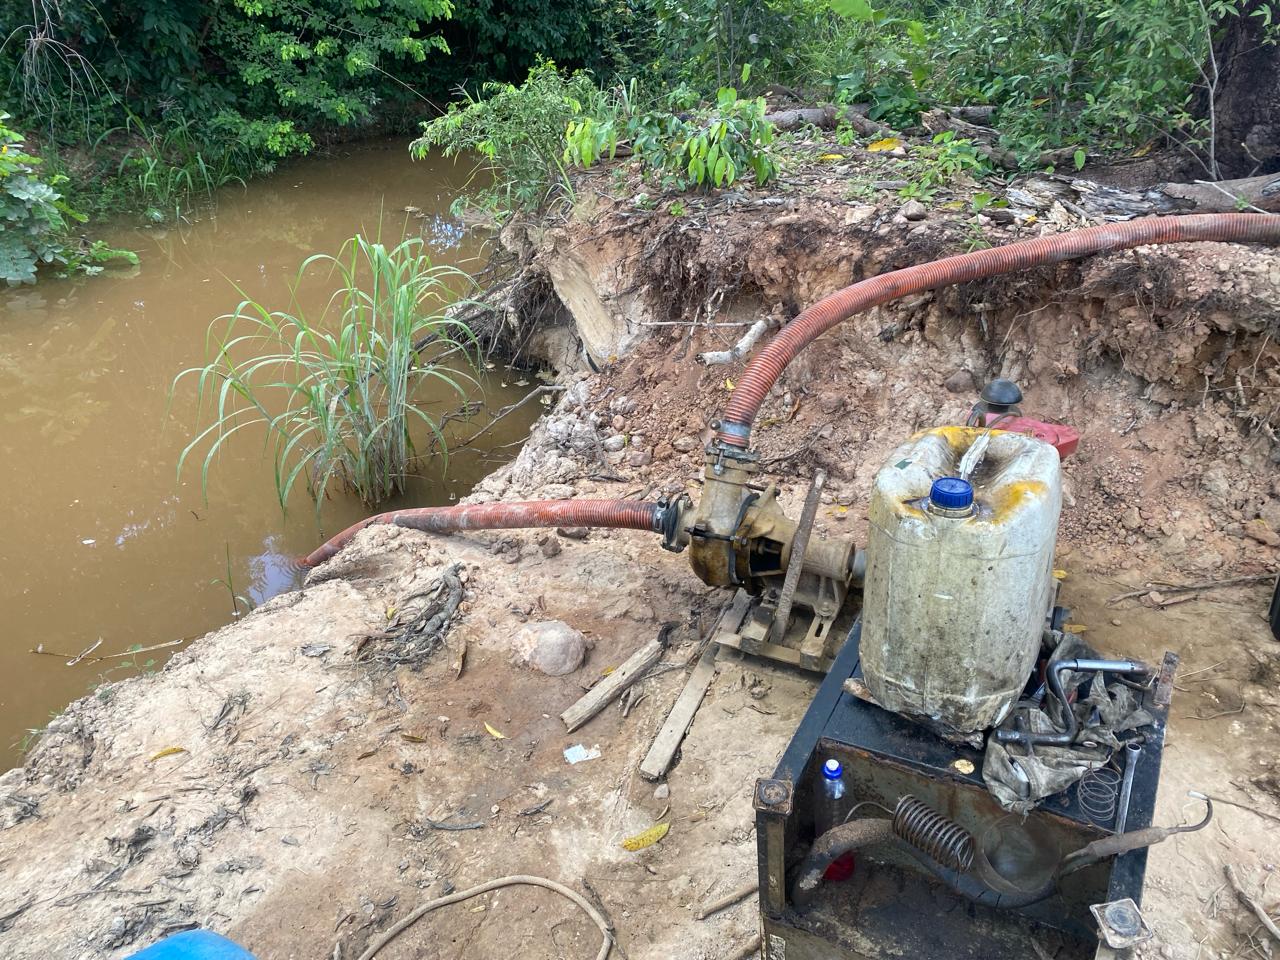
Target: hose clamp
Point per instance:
(667, 521)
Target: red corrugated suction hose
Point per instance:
(626, 514)
(766, 366)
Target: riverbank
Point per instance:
(95, 506)
(276, 783)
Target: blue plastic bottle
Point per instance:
(193, 945)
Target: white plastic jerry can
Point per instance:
(959, 581)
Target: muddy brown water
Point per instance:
(101, 538)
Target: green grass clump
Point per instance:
(340, 396)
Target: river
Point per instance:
(102, 539)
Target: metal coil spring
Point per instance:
(1097, 791)
(941, 838)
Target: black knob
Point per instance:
(1000, 395)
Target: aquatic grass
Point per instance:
(339, 397)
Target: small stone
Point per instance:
(1131, 519)
(551, 547)
(617, 422)
(914, 210)
(662, 792)
(960, 382)
(615, 443)
(573, 533)
(684, 444)
(1115, 622)
(1258, 530)
(1269, 513)
(639, 458)
(551, 646)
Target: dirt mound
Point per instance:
(274, 784)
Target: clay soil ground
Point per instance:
(269, 785)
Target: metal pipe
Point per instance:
(1132, 751)
(733, 429)
(1053, 679)
(624, 514)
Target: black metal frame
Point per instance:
(837, 720)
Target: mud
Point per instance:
(295, 816)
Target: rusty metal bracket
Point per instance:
(1164, 682)
(795, 564)
(774, 797)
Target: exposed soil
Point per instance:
(295, 817)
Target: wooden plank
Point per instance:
(611, 687)
(667, 742)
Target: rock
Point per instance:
(551, 646)
(1131, 519)
(623, 405)
(662, 792)
(1214, 481)
(829, 403)
(617, 422)
(1269, 513)
(914, 210)
(960, 382)
(1257, 530)
(637, 440)
(639, 458)
(573, 533)
(551, 547)
(685, 444)
(557, 491)
(615, 443)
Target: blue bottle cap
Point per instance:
(951, 493)
(832, 769)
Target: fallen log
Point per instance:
(984, 141)
(1102, 202)
(829, 117)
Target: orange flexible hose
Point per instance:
(766, 366)
(625, 514)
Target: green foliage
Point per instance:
(712, 147)
(518, 131)
(1073, 71)
(1102, 75)
(83, 66)
(708, 42)
(938, 163)
(34, 219)
(505, 39)
(337, 395)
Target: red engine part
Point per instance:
(1065, 439)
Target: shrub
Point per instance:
(339, 396)
(34, 227)
(518, 131)
(712, 147)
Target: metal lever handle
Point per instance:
(795, 564)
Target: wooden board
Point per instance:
(611, 687)
(658, 760)
(667, 742)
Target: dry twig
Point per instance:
(1251, 903)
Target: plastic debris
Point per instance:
(578, 753)
(495, 733)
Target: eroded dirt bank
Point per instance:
(301, 813)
